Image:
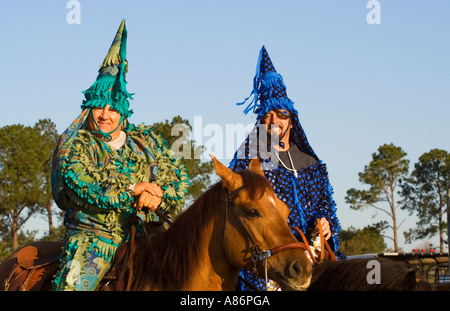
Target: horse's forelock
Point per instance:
(256, 184)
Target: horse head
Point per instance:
(256, 234)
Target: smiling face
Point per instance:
(107, 120)
(278, 123)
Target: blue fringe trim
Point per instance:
(263, 87)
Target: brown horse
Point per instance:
(238, 223)
(356, 275)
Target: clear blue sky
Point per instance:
(357, 86)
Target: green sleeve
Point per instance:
(171, 174)
(90, 184)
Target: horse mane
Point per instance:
(166, 260)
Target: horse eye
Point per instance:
(252, 213)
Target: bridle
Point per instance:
(258, 254)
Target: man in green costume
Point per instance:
(103, 170)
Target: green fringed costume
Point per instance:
(93, 178)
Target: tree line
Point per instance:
(423, 192)
(25, 191)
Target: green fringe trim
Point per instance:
(113, 58)
(91, 185)
(172, 176)
(108, 90)
(103, 248)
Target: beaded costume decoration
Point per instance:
(308, 196)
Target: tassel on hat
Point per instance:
(269, 91)
(110, 85)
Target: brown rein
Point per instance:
(282, 248)
(260, 254)
(323, 245)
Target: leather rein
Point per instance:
(258, 254)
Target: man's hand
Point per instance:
(325, 225)
(149, 195)
(151, 188)
(147, 200)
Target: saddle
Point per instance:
(33, 266)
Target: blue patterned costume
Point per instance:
(308, 196)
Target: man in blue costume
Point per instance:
(299, 177)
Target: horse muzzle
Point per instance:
(295, 277)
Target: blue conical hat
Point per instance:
(269, 91)
(110, 85)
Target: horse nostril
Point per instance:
(295, 268)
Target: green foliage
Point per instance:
(176, 133)
(383, 174)
(25, 154)
(49, 139)
(425, 193)
(363, 241)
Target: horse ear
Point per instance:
(227, 175)
(255, 166)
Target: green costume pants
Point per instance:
(88, 259)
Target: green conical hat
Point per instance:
(110, 86)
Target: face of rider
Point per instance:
(278, 123)
(107, 119)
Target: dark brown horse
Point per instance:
(363, 274)
(238, 223)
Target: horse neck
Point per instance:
(189, 255)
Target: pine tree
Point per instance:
(383, 174)
(24, 174)
(425, 193)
